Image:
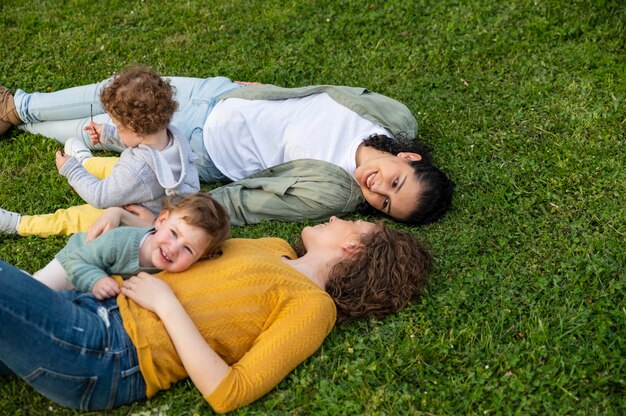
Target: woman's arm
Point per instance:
(204, 366)
(293, 191)
(295, 330)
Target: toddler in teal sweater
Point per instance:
(187, 229)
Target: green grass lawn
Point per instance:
(524, 103)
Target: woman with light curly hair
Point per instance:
(236, 325)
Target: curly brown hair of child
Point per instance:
(139, 99)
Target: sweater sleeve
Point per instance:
(88, 263)
(131, 181)
(296, 331)
(249, 203)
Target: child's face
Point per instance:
(176, 245)
(128, 137)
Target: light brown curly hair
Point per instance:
(200, 210)
(390, 271)
(140, 100)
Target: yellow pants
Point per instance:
(71, 220)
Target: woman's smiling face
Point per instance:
(389, 184)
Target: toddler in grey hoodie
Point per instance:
(157, 161)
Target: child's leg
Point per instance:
(100, 167)
(9, 221)
(62, 222)
(54, 276)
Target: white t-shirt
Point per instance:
(246, 136)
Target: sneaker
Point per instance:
(76, 148)
(9, 221)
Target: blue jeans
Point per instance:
(65, 113)
(69, 346)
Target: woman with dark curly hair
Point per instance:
(236, 325)
(291, 153)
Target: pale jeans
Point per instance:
(65, 113)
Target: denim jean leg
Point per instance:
(207, 170)
(65, 345)
(130, 385)
(196, 97)
(61, 114)
(4, 370)
(66, 104)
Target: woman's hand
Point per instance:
(95, 131)
(110, 218)
(142, 213)
(248, 84)
(150, 293)
(205, 367)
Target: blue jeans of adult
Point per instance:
(69, 346)
(65, 113)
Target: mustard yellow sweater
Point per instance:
(259, 314)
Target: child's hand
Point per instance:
(94, 130)
(60, 159)
(110, 218)
(141, 212)
(105, 288)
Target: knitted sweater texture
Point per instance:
(259, 314)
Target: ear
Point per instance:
(352, 247)
(410, 156)
(163, 216)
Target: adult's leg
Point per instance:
(61, 114)
(196, 97)
(8, 114)
(4, 370)
(69, 346)
(65, 113)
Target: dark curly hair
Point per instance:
(391, 270)
(140, 100)
(435, 197)
(200, 210)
